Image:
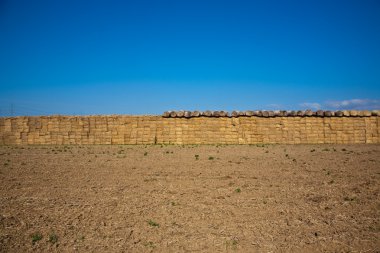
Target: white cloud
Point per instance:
(314, 106)
(275, 106)
(358, 104)
(350, 104)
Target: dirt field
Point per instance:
(276, 198)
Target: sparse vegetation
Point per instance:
(149, 244)
(348, 198)
(232, 244)
(153, 223)
(36, 237)
(153, 202)
(211, 158)
(53, 238)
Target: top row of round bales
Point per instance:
(268, 114)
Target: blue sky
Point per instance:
(145, 57)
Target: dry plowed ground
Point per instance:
(259, 198)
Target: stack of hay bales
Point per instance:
(197, 127)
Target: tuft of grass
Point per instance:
(313, 150)
(196, 157)
(53, 238)
(211, 158)
(343, 149)
(325, 149)
(146, 153)
(231, 244)
(149, 244)
(36, 237)
(348, 198)
(238, 190)
(153, 223)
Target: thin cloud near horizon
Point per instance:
(350, 104)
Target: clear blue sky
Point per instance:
(145, 57)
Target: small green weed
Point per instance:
(53, 238)
(153, 223)
(348, 198)
(231, 244)
(238, 190)
(211, 158)
(149, 244)
(36, 237)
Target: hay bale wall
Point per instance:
(251, 127)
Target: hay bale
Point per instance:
(216, 114)
(354, 113)
(248, 113)
(308, 113)
(187, 114)
(367, 113)
(207, 113)
(320, 113)
(166, 114)
(195, 114)
(235, 113)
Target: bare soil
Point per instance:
(263, 198)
